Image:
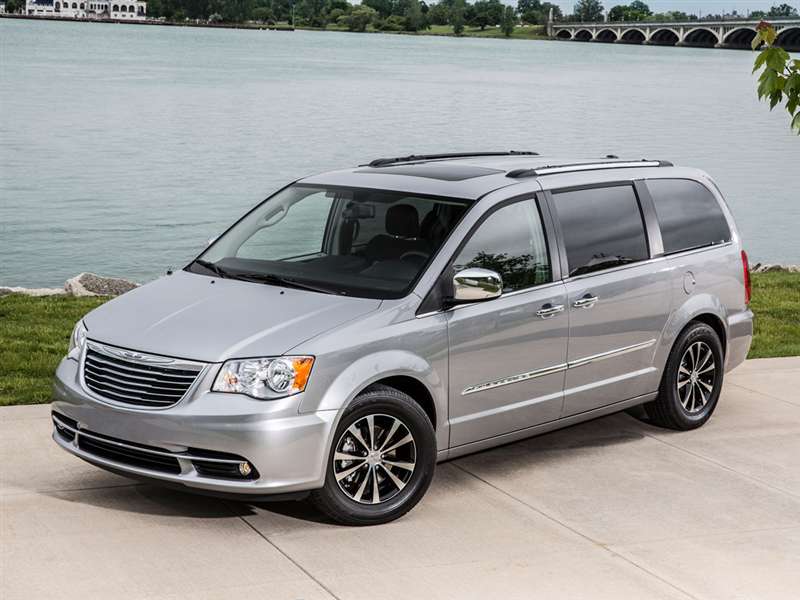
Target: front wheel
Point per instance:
(692, 380)
(382, 459)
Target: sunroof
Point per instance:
(443, 171)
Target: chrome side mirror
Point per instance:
(475, 284)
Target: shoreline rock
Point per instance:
(89, 284)
(770, 268)
(82, 285)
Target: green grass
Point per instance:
(34, 333)
(776, 304)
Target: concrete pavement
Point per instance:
(612, 508)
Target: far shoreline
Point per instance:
(488, 33)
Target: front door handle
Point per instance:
(548, 310)
(588, 301)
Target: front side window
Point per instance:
(602, 228)
(511, 242)
(360, 242)
(688, 214)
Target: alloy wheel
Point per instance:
(696, 377)
(374, 459)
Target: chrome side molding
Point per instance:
(482, 387)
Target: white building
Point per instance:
(89, 9)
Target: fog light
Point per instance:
(245, 469)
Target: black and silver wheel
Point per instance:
(697, 373)
(382, 459)
(692, 380)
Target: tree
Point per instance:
(414, 19)
(508, 21)
(262, 14)
(588, 10)
(635, 11)
(780, 78)
(782, 10)
(383, 7)
(15, 6)
(439, 14)
(311, 11)
(358, 19)
(457, 16)
(486, 13)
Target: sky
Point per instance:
(693, 6)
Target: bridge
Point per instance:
(702, 34)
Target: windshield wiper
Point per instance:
(213, 267)
(273, 279)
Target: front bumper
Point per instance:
(288, 450)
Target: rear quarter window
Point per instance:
(602, 228)
(688, 214)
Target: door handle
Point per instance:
(548, 311)
(586, 302)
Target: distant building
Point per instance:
(88, 9)
(2, 7)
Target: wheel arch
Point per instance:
(400, 369)
(705, 308)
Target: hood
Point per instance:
(191, 316)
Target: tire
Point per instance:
(688, 366)
(385, 476)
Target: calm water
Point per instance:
(123, 148)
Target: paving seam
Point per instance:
(723, 466)
(608, 549)
(305, 571)
(71, 490)
(789, 402)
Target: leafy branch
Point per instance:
(780, 78)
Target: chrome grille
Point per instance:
(144, 380)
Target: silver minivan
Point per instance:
(359, 326)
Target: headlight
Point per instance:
(77, 341)
(265, 377)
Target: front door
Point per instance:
(618, 300)
(508, 355)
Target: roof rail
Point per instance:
(554, 169)
(383, 162)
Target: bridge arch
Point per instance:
(606, 35)
(633, 36)
(564, 34)
(789, 39)
(664, 37)
(701, 36)
(583, 35)
(741, 37)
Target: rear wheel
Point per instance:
(692, 380)
(382, 460)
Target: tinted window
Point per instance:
(602, 228)
(688, 213)
(511, 242)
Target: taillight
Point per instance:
(747, 287)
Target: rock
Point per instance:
(768, 268)
(89, 284)
(4, 291)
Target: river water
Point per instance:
(123, 148)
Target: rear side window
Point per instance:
(511, 242)
(602, 228)
(688, 214)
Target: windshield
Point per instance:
(359, 242)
